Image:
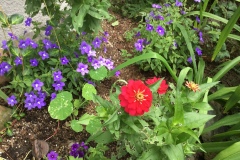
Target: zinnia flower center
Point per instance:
(139, 95)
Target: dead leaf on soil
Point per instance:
(40, 148)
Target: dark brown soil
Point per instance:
(37, 124)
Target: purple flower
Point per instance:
(42, 94)
(189, 60)
(34, 62)
(76, 54)
(117, 73)
(106, 34)
(139, 45)
(160, 30)
(138, 34)
(4, 68)
(37, 84)
(182, 12)
(169, 22)
(159, 17)
(12, 100)
(29, 105)
(18, 61)
(97, 42)
(89, 59)
(95, 64)
(156, 6)
(58, 85)
(84, 33)
(54, 45)
(178, 3)
(92, 53)
(101, 61)
(52, 155)
(4, 44)
(43, 54)
(22, 44)
(12, 36)
(48, 30)
(151, 14)
(82, 68)
(28, 21)
(197, 19)
(109, 64)
(47, 44)
(149, 27)
(57, 76)
(200, 36)
(75, 146)
(197, 1)
(84, 47)
(167, 5)
(53, 96)
(30, 97)
(199, 51)
(39, 103)
(78, 150)
(64, 60)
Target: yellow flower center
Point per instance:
(139, 95)
(193, 86)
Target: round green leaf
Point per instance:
(88, 90)
(75, 126)
(98, 74)
(16, 19)
(61, 107)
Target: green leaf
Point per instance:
(235, 97)
(3, 18)
(76, 126)
(230, 153)
(16, 19)
(219, 94)
(93, 126)
(151, 154)
(85, 119)
(154, 87)
(116, 23)
(3, 95)
(225, 32)
(61, 107)
(195, 120)
(217, 146)
(226, 121)
(98, 74)
(174, 152)
(88, 90)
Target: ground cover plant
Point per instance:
(145, 118)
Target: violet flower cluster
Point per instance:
(12, 100)
(58, 83)
(78, 150)
(4, 68)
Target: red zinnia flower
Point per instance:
(135, 98)
(163, 86)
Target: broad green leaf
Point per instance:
(226, 121)
(94, 126)
(151, 154)
(76, 126)
(217, 146)
(88, 90)
(61, 107)
(154, 87)
(219, 94)
(174, 152)
(225, 32)
(235, 97)
(16, 19)
(84, 119)
(3, 18)
(230, 153)
(98, 74)
(195, 120)
(182, 77)
(227, 134)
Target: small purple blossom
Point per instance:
(22, 44)
(18, 61)
(139, 45)
(96, 42)
(29, 105)
(197, 19)
(167, 5)
(64, 60)
(159, 17)
(91, 53)
(178, 3)
(30, 97)
(182, 12)
(101, 61)
(34, 62)
(43, 54)
(47, 44)
(53, 96)
(95, 63)
(106, 34)
(54, 45)
(4, 68)
(4, 44)
(189, 60)
(28, 21)
(156, 6)
(57, 76)
(48, 30)
(12, 36)
(151, 14)
(39, 103)
(138, 34)
(41, 94)
(105, 49)
(109, 64)
(149, 27)
(117, 73)
(82, 68)
(169, 22)
(12, 100)
(89, 59)
(198, 1)
(84, 47)
(37, 85)
(78, 150)
(160, 30)
(200, 36)
(58, 85)
(52, 155)
(199, 51)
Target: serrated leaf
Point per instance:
(76, 126)
(88, 90)
(61, 107)
(16, 19)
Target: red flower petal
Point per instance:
(163, 86)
